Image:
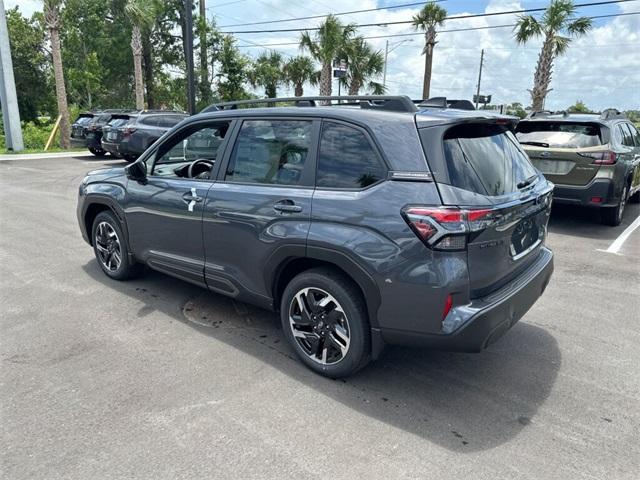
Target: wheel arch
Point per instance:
(96, 204)
(290, 263)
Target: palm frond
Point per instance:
(560, 44)
(579, 26)
(527, 28)
(432, 15)
(557, 14)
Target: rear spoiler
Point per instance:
(443, 102)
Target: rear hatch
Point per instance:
(78, 127)
(114, 130)
(482, 172)
(564, 151)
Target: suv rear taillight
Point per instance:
(601, 158)
(128, 131)
(446, 228)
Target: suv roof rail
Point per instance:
(395, 103)
(546, 113)
(611, 113)
(444, 102)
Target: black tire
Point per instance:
(345, 311)
(129, 158)
(612, 216)
(635, 198)
(126, 267)
(98, 152)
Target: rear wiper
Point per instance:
(536, 144)
(526, 182)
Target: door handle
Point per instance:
(287, 206)
(191, 197)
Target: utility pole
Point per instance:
(479, 77)
(191, 92)
(386, 54)
(8, 98)
(387, 51)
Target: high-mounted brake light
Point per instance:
(601, 158)
(446, 228)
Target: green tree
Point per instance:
(233, 71)
(298, 71)
(52, 21)
(30, 65)
(516, 109)
(428, 19)
(579, 107)
(364, 63)
(557, 26)
(326, 45)
(268, 72)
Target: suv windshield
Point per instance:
(559, 134)
(486, 159)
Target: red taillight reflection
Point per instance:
(448, 304)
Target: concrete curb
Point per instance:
(39, 156)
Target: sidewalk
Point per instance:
(37, 156)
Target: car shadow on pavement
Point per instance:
(462, 402)
(585, 221)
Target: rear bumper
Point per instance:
(486, 319)
(78, 142)
(582, 195)
(110, 147)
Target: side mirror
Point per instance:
(137, 171)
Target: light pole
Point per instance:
(8, 98)
(386, 54)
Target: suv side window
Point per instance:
(151, 121)
(347, 158)
(634, 133)
(270, 152)
(627, 139)
(200, 142)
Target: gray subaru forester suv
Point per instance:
(370, 222)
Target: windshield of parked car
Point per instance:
(559, 134)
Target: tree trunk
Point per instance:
(299, 90)
(136, 48)
(147, 65)
(325, 79)
(61, 91)
(354, 88)
(542, 77)
(430, 43)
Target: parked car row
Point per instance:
(122, 133)
(593, 159)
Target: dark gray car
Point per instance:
(363, 224)
(142, 130)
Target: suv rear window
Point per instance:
(559, 134)
(485, 159)
(347, 159)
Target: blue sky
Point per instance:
(601, 69)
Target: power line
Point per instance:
(312, 17)
(400, 22)
(486, 27)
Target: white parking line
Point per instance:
(618, 242)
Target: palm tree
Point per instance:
(298, 71)
(430, 17)
(268, 72)
(140, 13)
(325, 47)
(557, 25)
(52, 21)
(364, 63)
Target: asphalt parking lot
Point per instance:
(155, 378)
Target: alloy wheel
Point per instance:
(108, 246)
(623, 202)
(319, 326)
